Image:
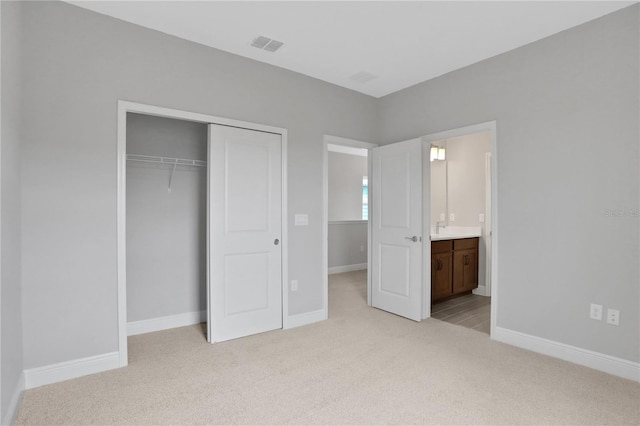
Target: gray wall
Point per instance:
(467, 187)
(166, 231)
(568, 224)
(77, 64)
(11, 309)
(347, 243)
(466, 177)
(345, 239)
(345, 185)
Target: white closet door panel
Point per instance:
(247, 176)
(246, 283)
(245, 257)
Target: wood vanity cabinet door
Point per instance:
(465, 270)
(441, 275)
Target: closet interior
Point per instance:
(166, 222)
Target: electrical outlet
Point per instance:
(452, 217)
(595, 312)
(481, 218)
(442, 217)
(361, 248)
(613, 316)
(294, 285)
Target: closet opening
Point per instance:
(201, 200)
(166, 217)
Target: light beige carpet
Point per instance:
(361, 366)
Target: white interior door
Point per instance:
(244, 233)
(396, 267)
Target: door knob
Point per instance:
(276, 242)
(414, 239)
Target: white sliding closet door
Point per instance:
(244, 232)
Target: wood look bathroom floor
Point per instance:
(470, 311)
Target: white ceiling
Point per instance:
(401, 43)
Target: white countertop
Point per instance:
(455, 232)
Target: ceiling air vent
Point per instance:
(273, 46)
(260, 42)
(267, 44)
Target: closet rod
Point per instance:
(166, 160)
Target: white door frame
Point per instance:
(488, 179)
(353, 143)
(125, 107)
(490, 126)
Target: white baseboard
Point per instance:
(347, 268)
(305, 319)
(165, 323)
(481, 291)
(12, 409)
(59, 372)
(609, 364)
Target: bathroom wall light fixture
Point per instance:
(437, 153)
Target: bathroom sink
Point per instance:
(455, 232)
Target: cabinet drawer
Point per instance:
(441, 246)
(465, 243)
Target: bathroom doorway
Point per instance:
(461, 225)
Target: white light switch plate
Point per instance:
(481, 218)
(595, 311)
(452, 217)
(301, 219)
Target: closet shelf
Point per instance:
(166, 160)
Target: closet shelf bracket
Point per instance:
(171, 177)
(167, 160)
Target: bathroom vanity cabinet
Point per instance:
(454, 267)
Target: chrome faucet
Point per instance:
(438, 226)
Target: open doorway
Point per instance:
(406, 183)
(460, 220)
(346, 213)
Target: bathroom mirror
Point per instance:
(438, 187)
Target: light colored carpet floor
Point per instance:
(362, 366)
